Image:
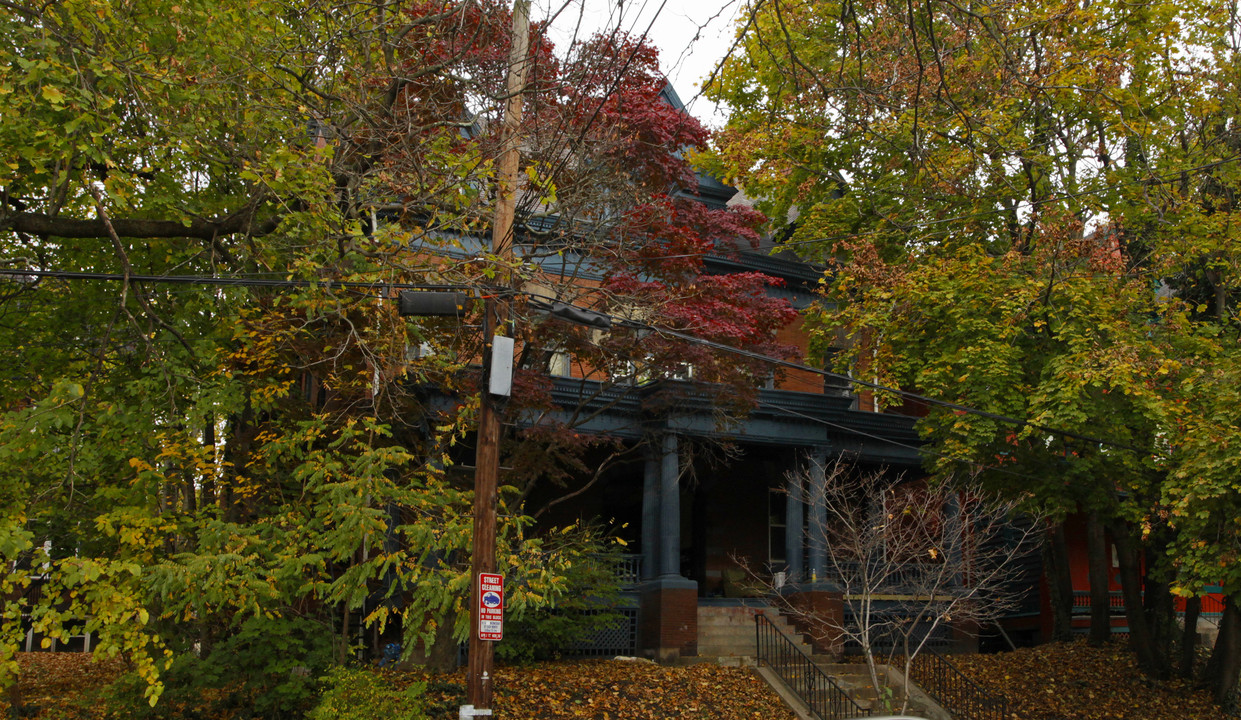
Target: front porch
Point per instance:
(719, 508)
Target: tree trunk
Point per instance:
(1158, 602)
(208, 489)
(1224, 668)
(1189, 636)
(1059, 583)
(17, 709)
(1100, 590)
(1150, 660)
(441, 657)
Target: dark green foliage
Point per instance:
(587, 607)
(269, 668)
(355, 694)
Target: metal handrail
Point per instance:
(954, 690)
(825, 699)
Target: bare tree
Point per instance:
(910, 559)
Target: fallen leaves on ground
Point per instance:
(1059, 681)
(598, 689)
(1073, 681)
(618, 690)
(50, 682)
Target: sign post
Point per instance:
(490, 607)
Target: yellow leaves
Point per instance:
(53, 95)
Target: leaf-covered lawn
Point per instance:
(603, 690)
(1049, 682)
(622, 690)
(1073, 681)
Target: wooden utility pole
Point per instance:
(487, 457)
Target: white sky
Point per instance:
(692, 36)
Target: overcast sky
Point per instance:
(692, 36)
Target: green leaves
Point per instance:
(1028, 209)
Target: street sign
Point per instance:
(490, 606)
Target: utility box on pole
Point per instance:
(431, 304)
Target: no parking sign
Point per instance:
(490, 606)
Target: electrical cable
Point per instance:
(788, 364)
(545, 303)
(921, 449)
(235, 281)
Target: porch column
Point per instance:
(650, 515)
(670, 509)
(818, 516)
(819, 600)
(668, 608)
(794, 534)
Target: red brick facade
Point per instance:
(669, 615)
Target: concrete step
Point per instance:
(730, 631)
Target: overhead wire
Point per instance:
(226, 281)
(790, 365)
(544, 302)
(850, 430)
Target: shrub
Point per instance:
(268, 668)
(586, 607)
(356, 694)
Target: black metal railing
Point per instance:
(825, 699)
(963, 698)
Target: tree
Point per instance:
(911, 561)
(1027, 209)
(256, 443)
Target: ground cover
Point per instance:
(1051, 682)
(68, 686)
(1073, 681)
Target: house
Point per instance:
(703, 498)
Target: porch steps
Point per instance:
(727, 633)
(854, 679)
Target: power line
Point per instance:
(851, 430)
(788, 364)
(545, 303)
(234, 281)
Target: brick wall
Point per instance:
(669, 621)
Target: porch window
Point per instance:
(777, 531)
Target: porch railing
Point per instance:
(825, 699)
(1212, 606)
(1082, 604)
(629, 571)
(954, 690)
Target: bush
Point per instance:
(587, 606)
(268, 668)
(355, 694)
